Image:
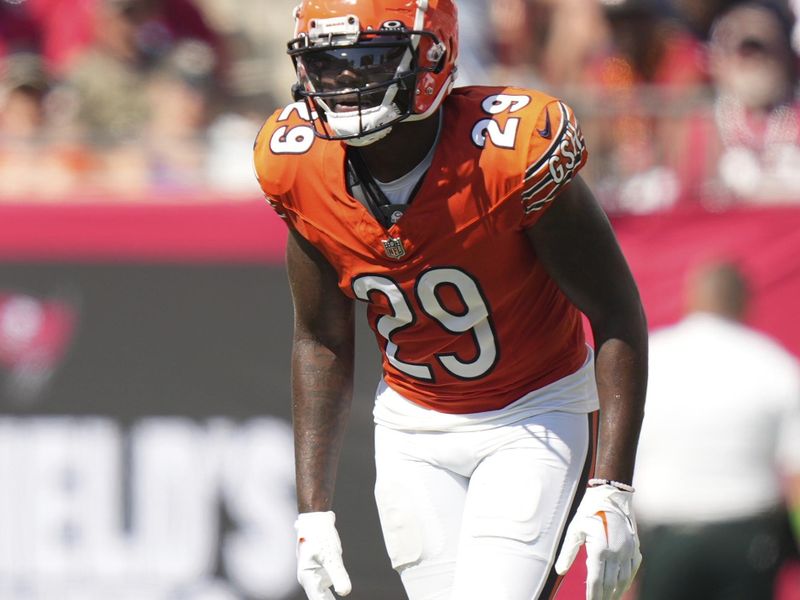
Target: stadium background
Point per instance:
(145, 321)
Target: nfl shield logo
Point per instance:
(393, 247)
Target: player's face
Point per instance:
(345, 69)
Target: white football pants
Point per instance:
(480, 515)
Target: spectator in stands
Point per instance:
(721, 431)
(574, 32)
(18, 31)
(651, 68)
(110, 76)
(23, 86)
(34, 160)
(508, 26)
(475, 46)
(756, 115)
(649, 46)
(230, 144)
(544, 44)
(181, 92)
(167, 154)
(131, 36)
(68, 27)
(699, 15)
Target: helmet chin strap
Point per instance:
(351, 124)
(369, 138)
(372, 137)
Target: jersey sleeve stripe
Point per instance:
(565, 122)
(540, 204)
(276, 206)
(527, 194)
(569, 132)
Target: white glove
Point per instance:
(605, 523)
(319, 556)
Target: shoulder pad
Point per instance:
(556, 153)
(284, 138)
(531, 144)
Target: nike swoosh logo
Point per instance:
(546, 133)
(602, 515)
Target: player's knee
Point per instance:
(498, 528)
(509, 519)
(430, 580)
(498, 534)
(402, 531)
(403, 546)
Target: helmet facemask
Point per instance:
(357, 84)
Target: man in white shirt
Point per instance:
(719, 444)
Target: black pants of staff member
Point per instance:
(733, 560)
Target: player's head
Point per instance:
(718, 287)
(751, 56)
(365, 65)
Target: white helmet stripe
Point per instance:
(419, 21)
(296, 15)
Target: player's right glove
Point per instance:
(604, 522)
(319, 556)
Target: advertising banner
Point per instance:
(145, 436)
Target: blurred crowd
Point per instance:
(682, 101)
(134, 99)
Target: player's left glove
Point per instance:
(319, 556)
(605, 523)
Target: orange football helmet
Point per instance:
(365, 65)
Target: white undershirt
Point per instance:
(575, 393)
(399, 191)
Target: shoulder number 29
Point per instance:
(296, 140)
(475, 320)
(489, 128)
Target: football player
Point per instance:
(459, 218)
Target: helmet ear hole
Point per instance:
(437, 54)
(440, 65)
(444, 55)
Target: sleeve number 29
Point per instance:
(490, 129)
(297, 140)
(475, 319)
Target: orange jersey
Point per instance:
(464, 313)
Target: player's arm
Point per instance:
(577, 247)
(322, 372)
(575, 243)
(322, 385)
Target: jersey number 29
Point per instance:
(474, 319)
